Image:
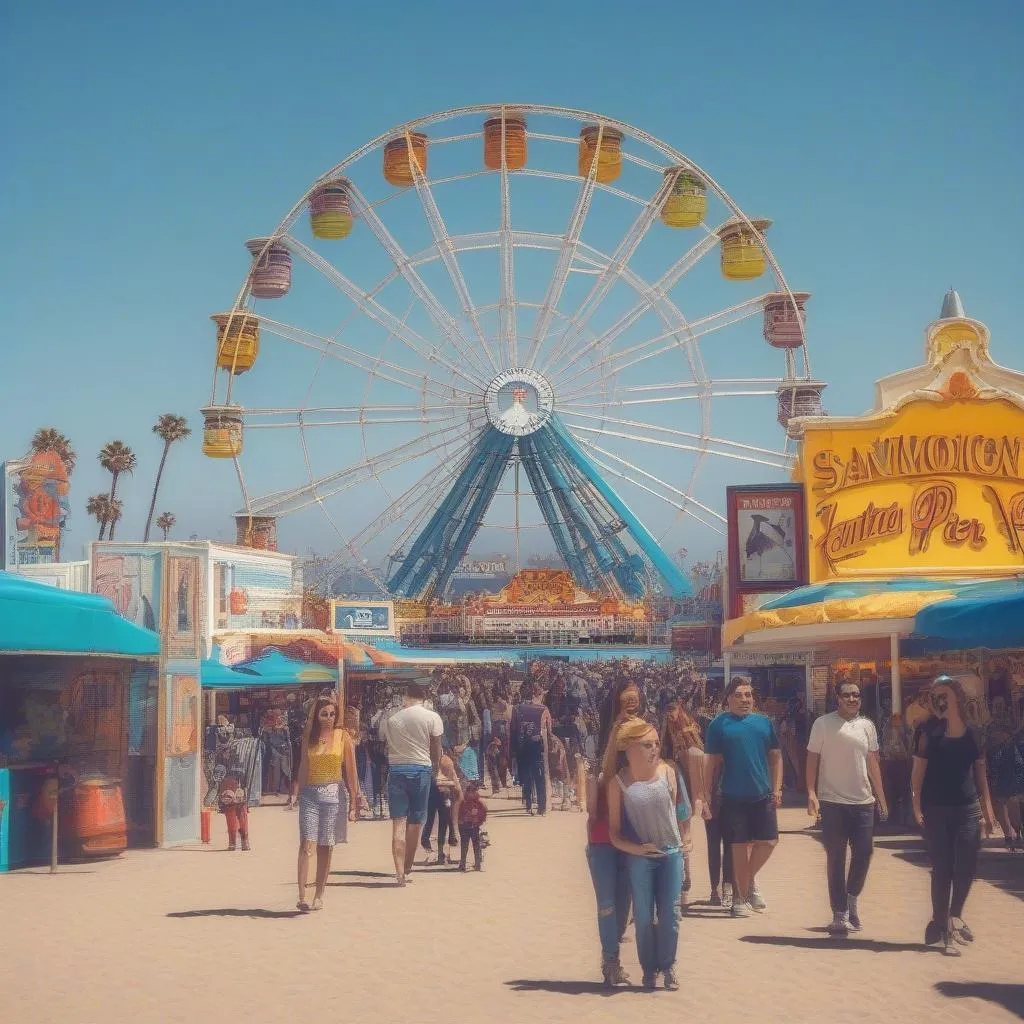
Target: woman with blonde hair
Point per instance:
(328, 794)
(642, 819)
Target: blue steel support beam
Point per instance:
(431, 553)
(471, 522)
(560, 531)
(565, 493)
(678, 584)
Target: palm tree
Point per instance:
(165, 521)
(99, 506)
(47, 439)
(171, 428)
(116, 458)
(115, 514)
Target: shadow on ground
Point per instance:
(1009, 997)
(255, 913)
(870, 945)
(569, 988)
(1003, 870)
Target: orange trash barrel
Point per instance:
(204, 824)
(98, 827)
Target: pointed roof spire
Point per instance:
(951, 305)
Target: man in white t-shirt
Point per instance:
(413, 737)
(842, 771)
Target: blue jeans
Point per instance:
(532, 775)
(611, 887)
(656, 883)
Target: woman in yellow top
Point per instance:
(328, 794)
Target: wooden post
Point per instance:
(897, 682)
(54, 839)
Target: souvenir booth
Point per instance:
(78, 706)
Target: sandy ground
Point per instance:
(202, 934)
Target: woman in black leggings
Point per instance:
(949, 787)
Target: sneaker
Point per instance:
(740, 908)
(960, 931)
(245, 843)
(650, 979)
(839, 924)
(932, 933)
(755, 899)
(727, 895)
(853, 914)
(716, 899)
(671, 981)
(949, 946)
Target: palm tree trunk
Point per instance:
(113, 492)
(156, 487)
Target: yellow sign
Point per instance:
(935, 488)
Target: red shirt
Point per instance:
(473, 811)
(598, 831)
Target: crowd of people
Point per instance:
(647, 752)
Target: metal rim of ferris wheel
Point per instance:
(518, 383)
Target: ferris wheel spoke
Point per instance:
(449, 258)
(440, 316)
(681, 391)
(781, 462)
(566, 255)
(413, 380)
(661, 343)
(633, 468)
(674, 432)
(652, 295)
(617, 262)
(506, 249)
(375, 311)
(283, 503)
(681, 503)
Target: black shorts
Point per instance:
(748, 821)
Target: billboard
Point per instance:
(935, 489)
(363, 618)
(34, 509)
(767, 543)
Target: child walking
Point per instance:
(472, 815)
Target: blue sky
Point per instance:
(145, 143)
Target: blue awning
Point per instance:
(988, 614)
(215, 676)
(271, 668)
(39, 618)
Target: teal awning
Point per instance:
(215, 676)
(39, 618)
(270, 669)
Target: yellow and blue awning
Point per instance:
(938, 614)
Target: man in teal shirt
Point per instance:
(742, 747)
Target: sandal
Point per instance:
(318, 903)
(302, 907)
(960, 931)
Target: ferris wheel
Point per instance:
(470, 334)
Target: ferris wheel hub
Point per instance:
(519, 401)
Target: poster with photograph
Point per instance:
(183, 716)
(767, 543)
(182, 617)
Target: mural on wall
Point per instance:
(36, 495)
(132, 583)
(257, 594)
(182, 620)
(183, 716)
